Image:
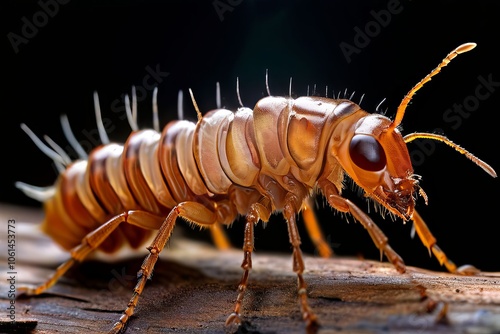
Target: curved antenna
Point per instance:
(195, 105)
(378, 106)
(238, 91)
(40, 194)
(487, 168)
(267, 83)
(71, 138)
(156, 120)
(307, 94)
(352, 95)
(100, 125)
(180, 102)
(130, 117)
(42, 147)
(404, 103)
(134, 106)
(361, 99)
(217, 95)
(290, 88)
(58, 149)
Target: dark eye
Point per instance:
(367, 153)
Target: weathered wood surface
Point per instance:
(194, 287)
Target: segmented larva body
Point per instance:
(250, 163)
(225, 161)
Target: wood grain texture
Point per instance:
(194, 287)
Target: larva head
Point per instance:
(374, 153)
(376, 158)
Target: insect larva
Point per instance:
(250, 163)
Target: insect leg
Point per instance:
(261, 210)
(314, 230)
(378, 237)
(191, 211)
(226, 213)
(219, 237)
(91, 242)
(289, 212)
(429, 241)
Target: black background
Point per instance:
(107, 45)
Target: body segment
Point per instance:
(281, 140)
(250, 163)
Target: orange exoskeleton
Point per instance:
(250, 163)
